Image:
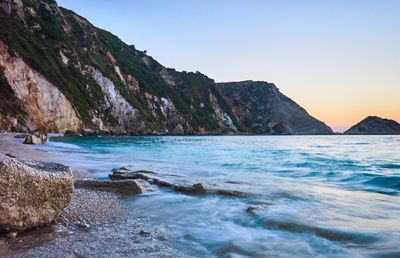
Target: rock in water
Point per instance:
(127, 186)
(31, 197)
(37, 137)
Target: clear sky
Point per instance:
(339, 59)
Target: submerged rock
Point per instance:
(193, 189)
(31, 197)
(127, 186)
(37, 137)
(256, 208)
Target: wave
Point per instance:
(63, 145)
(327, 233)
(392, 182)
(390, 166)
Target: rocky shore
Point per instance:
(97, 212)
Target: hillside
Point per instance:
(374, 125)
(261, 107)
(59, 72)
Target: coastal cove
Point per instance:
(263, 196)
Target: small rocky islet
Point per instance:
(374, 125)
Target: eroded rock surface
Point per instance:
(31, 197)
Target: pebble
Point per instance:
(12, 235)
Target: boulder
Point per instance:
(31, 197)
(70, 133)
(37, 137)
(128, 186)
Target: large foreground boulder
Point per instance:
(31, 196)
(37, 137)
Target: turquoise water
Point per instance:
(328, 196)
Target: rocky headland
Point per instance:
(58, 72)
(374, 125)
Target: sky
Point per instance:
(339, 59)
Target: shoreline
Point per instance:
(92, 217)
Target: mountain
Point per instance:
(261, 107)
(59, 72)
(374, 125)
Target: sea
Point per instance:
(297, 196)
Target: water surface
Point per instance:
(329, 196)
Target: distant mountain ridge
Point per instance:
(374, 125)
(59, 72)
(261, 107)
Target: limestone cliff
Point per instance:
(44, 105)
(59, 72)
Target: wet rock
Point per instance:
(37, 137)
(232, 193)
(30, 197)
(10, 155)
(129, 172)
(125, 174)
(160, 182)
(253, 209)
(194, 189)
(126, 186)
(70, 133)
(144, 233)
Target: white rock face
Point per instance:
(128, 117)
(167, 106)
(47, 107)
(223, 118)
(64, 58)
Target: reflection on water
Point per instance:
(312, 195)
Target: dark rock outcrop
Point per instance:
(32, 197)
(262, 108)
(70, 133)
(374, 125)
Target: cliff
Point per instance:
(59, 72)
(374, 125)
(261, 107)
